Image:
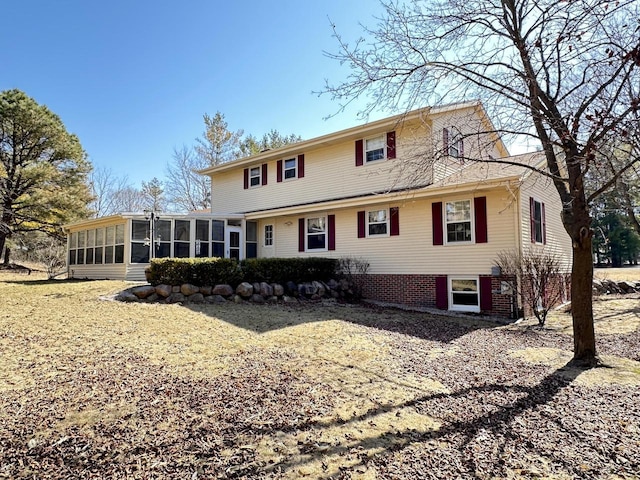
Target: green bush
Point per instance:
(213, 271)
(282, 270)
(199, 271)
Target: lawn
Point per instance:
(92, 388)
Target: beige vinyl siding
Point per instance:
(412, 252)
(330, 173)
(558, 241)
(114, 271)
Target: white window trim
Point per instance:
(284, 169)
(455, 141)
(540, 202)
(366, 223)
(384, 148)
(463, 308)
(472, 220)
(264, 243)
(259, 176)
(326, 234)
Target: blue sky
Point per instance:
(133, 78)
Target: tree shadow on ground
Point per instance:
(495, 424)
(265, 318)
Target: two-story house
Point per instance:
(396, 192)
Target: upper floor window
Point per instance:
(290, 168)
(254, 177)
(458, 221)
(374, 148)
(538, 223)
(453, 143)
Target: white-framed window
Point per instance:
(378, 223)
(374, 148)
(316, 234)
(458, 221)
(268, 235)
(255, 176)
(453, 142)
(537, 222)
(464, 293)
(290, 168)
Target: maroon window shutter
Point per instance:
(331, 227)
(480, 215)
(391, 144)
(445, 141)
(394, 218)
(486, 296)
(361, 224)
(246, 178)
(544, 224)
(532, 220)
(279, 171)
(301, 234)
(442, 296)
(264, 174)
(436, 215)
(301, 165)
(359, 153)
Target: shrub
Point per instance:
(354, 270)
(282, 270)
(199, 271)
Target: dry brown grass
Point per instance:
(618, 274)
(305, 392)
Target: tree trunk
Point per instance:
(584, 340)
(7, 255)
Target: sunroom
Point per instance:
(120, 246)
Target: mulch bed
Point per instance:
(500, 417)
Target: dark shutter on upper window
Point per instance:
(391, 144)
(532, 220)
(264, 174)
(461, 148)
(279, 171)
(544, 224)
(301, 165)
(246, 178)
(331, 231)
(301, 234)
(436, 215)
(486, 295)
(442, 296)
(361, 224)
(480, 216)
(394, 220)
(359, 153)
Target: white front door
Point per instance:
(233, 243)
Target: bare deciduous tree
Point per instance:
(186, 189)
(564, 74)
(105, 187)
(537, 278)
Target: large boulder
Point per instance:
(291, 288)
(206, 290)
(215, 299)
(245, 290)
(143, 291)
(320, 288)
(188, 289)
(196, 298)
(163, 290)
(176, 297)
(266, 290)
(278, 290)
(307, 289)
(257, 298)
(126, 296)
(224, 290)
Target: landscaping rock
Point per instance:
(291, 288)
(320, 288)
(188, 289)
(154, 297)
(626, 287)
(207, 290)
(288, 299)
(332, 284)
(278, 290)
(215, 299)
(163, 290)
(256, 287)
(224, 290)
(272, 299)
(238, 298)
(307, 289)
(266, 290)
(126, 296)
(144, 291)
(196, 298)
(175, 289)
(257, 298)
(245, 290)
(176, 297)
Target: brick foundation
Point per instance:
(420, 291)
